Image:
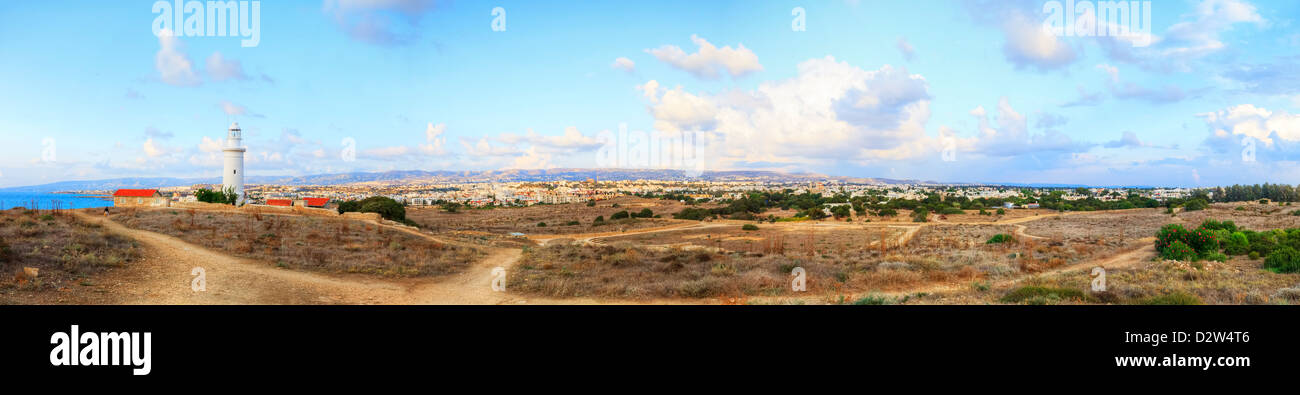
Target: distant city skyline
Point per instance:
(945, 91)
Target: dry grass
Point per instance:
(307, 243)
(557, 217)
(65, 249)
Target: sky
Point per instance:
(1205, 94)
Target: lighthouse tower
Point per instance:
(233, 176)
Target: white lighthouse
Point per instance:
(233, 176)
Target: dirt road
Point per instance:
(164, 276)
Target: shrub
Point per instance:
(1199, 240)
(1236, 244)
(645, 213)
(1195, 205)
(600, 220)
(921, 214)
(541, 224)
(872, 300)
(1001, 238)
(387, 208)
(1296, 213)
(749, 227)
(1177, 251)
(1175, 298)
(1002, 212)
(1283, 260)
(1254, 255)
(887, 212)
(620, 215)
(1029, 293)
(1216, 225)
(571, 223)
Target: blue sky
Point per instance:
(971, 91)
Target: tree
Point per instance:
(620, 215)
(887, 212)
(386, 207)
(921, 214)
(645, 213)
(840, 211)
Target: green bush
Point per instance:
(1178, 251)
(1254, 255)
(1002, 212)
(872, 300)
(1212, 224)
(620, 215)
(1175, 298)
(1028, 293)
(645, 213)
(921, 214)
(1001, 238)
(387, 208)
(749, 227)
(1283, 260)
(1236, 244)
(1215, 256)
(1195, 205)
(541, 224)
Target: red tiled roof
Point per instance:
(316, 202)
(279, 202)
(135, 192)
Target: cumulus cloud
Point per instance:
(830, 110)
(624, 64)
(174, 66)
(222, 69)
(433, 139)
(709, 59)
(1029, 45)
(1247, 120)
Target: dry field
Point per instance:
(557, 217)
(67, 252)
(940, 262)
(306, 242)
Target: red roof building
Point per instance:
(135, 193)
(316, 202)
(279, 202)
(139, 197)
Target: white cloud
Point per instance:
(154, 150)
(651, 90)
(1257, 122)
(830, 110)
(706, 62)
(1029, 44)
(433, 140)
(174, 66)
(222, 69)
(624, 64)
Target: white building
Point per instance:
(233, 175)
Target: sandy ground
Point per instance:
(163, 277)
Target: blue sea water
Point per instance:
(46, 201)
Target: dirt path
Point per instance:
(164, 276)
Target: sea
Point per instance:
(46, 201)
